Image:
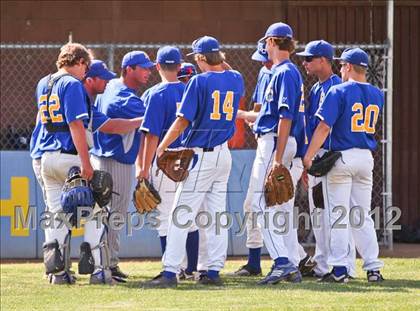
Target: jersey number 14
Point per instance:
(227, 106)
(364, 120)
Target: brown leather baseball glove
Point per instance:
(278, 187)
(175, 163)
(145, 196)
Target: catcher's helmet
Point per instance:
(187, 70)
(73, 171)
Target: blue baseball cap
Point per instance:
(355, 56)
(99, 69)
(139, 58)
(187, 70)
(278, 30)
(318, 48)
(168, 55)
(260, 55)
(205, 44)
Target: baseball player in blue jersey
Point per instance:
(114, 153)
(161, 102)
(317, 58)
(254, 240)
(209, 106)
(348, 117)
(185, 73)
(46, 140)
(276, 127)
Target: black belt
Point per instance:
(262, 134)
(208, 149)
(73, 151)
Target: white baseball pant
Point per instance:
(167, 189)
(54, 171)
(296, 172)
(279, 234)
(122, 177)
(349, 187)
(36, 166)
(207, 181)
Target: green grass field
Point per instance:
(24, 288)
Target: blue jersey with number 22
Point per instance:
(351, 109)
(210, 102)
(67, 103)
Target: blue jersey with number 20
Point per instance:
(351, 109)
(210, 102)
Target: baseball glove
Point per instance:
(101, 185)
(278, 187)
(322, 165)
(317, 196)
(145, 196)
(175, 163)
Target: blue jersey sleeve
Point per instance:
(98, 119)
(133, 107)
(257, 90)
(330, 109)
(74, 102)
(154, 117)
(287, 88)
(190, 100)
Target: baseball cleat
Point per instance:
(205, 280)
(306, 266)
(102, 277)
(247, 270)
(331, 278)
(184, 275)
(116, 272)
(160, 281)
(61, 278)
(287, 272)
(374, 276)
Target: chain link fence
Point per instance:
(22, 65)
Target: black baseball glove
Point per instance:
(322, 165)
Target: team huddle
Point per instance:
(92, 128)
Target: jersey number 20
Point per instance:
(364, 120)
(227, 106)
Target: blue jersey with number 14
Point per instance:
(210, 102)
(351, 109)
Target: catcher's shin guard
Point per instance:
(99, 257)
(86, 261)
(53, 259)
(56, 256)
